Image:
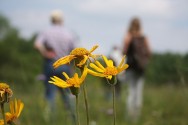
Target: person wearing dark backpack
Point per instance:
(138, 53)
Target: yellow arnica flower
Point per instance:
(1, 122)
(78, 53)
(108, 71)
(75, 81)
(16, 108)
(5, 92)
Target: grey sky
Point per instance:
(105, 22)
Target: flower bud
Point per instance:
(5, 93)
(112, 81)
(75, 90)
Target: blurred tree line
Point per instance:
(20, 62)
(168, 68)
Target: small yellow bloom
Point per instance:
(5, 92)
(16, 108)
(108, 71)
(81, 54)
(75, 81)
(1, 122)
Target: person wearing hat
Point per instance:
(53, 43)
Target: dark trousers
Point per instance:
(51, 89)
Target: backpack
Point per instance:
(138, 54)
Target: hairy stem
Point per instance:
(3, 113)
(86, 103)
(114, 104)
(77, 112)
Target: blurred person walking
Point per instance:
(137, 50)
(52, 44)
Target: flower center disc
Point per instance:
(79, 52)
(70, 81)
(4, 86)
(110, 71)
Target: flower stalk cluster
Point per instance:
(16, 107)
(82, 61)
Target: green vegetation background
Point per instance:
(165, 94)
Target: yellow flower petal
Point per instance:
(57, 79)
(105, 60)
(76, 78)
(59, 82)
(110, 63)
(99, 65)
(15, 106)
(83, 61)
(96, 68)
(12, 107)
(63, 60)
(122, 62)
(84, 74)
(95, 73)
(8, 116)
(94, 48)
(122, 68)
(94, 56)
(1, 93)
(1, 122)
(15, 110)
(21, 106)
(66, 76)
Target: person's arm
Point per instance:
(148, 47)
(127, 41)
(39, 45)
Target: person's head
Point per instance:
(56, 17)
(135, 27)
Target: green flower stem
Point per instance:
(114, 104)
(85, 99)
(77, 112)
(86, 103)
(3, 113)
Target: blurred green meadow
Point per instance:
(163, 105)
(165, 91)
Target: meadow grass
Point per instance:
(163, 105)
